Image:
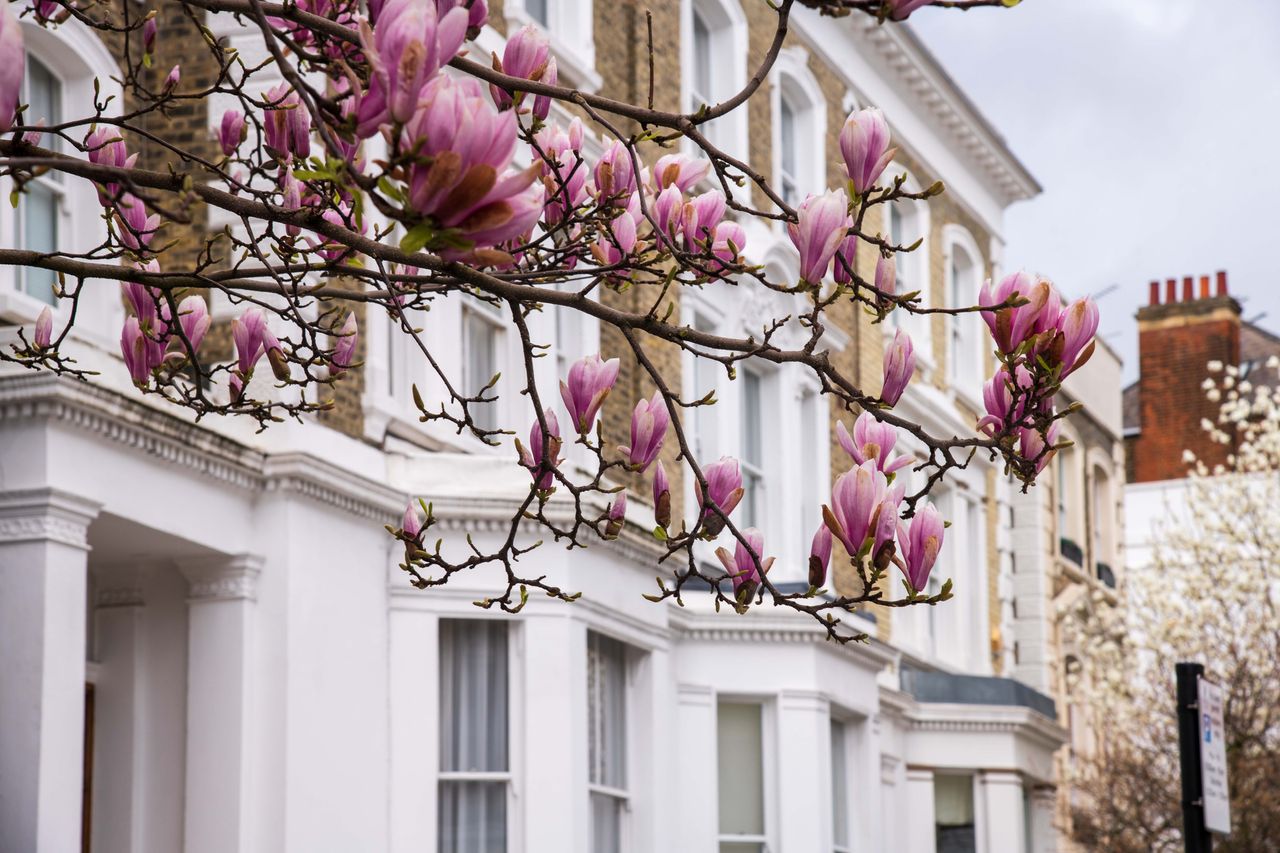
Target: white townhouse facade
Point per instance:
(206, 643)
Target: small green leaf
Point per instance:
(660, 533)
(417, 238)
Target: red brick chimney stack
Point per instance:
(1176, 341)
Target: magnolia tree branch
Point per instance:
(368, 164)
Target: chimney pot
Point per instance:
(1155, 293)
(1204, 287)
(1188, 293)
(1171, 291)
(1222, 282)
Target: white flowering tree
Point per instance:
(367, 161)
(1210, 594)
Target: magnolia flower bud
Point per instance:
(819, 556)
(823, 224)
(232, 132)
(661, 497)
(616, 516)
(649, 422)
(149, 31)
(899, 365)
(248, 332)
(589, 382)
(741, 567)
(919, 542)
(724, 490)
(864, 144)
(855, 497)
(531, 458)
(344, 350)
(175, 74)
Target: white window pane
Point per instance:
(537, 9)
(606, 711)
(39, 208)
(473, 817)
(953, 814)
(480, 340)
(741, 770)
(473, 695)
(701, 61)
(839, 786)
(44, 97)
(606, 824)
(810, 475)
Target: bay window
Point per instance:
(475, 775)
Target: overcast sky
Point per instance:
(1154, 127)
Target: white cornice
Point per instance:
(776, 629)
(1007, 719)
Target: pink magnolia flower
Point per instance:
(44, 328)
(611, 248)
(141, 354)
(463, 148)
(48, 12)
(406, 49)
(730, 240)
(134, 227)
(171, 81)
(864, 144)
(615, 176)
(823, 223)
(700, 217)
(194, 319)
(149, 31)
(680, 171)
(886, 280)
(33, 137)
(1079, 324)
(276, 359)
(668, 210)
(527, 55)
(248, 331)
(589, 382)
(845, 261)
(146, 303)
(232, 131)
(531, 458)
(855, 497)
(616, 516)
(1031, 444)
(649, 422)
(477, 11)
(741, 567)
(872, 441)
(1011, 326)
(919, 543)
(661, 497)
(899, 365)
(724, 490)
(105, 147)
(344, 351)
(884, 524)
(286, 124)
(900, 9)
(12, 65)
(997, 399)
(411, 523)
(564, 173)
(820, 556)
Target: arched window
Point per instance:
(714, 56)
(964, 273)
(800, 123)
(905, 222)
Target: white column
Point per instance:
(415, 726)
(1001, 801)
(697, 827)
(220, 650)
(551, 747)
(920, 831)
(804, 771)
(43, 569)
(1044, 835)
(119, 717)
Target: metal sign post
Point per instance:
(1203, 758)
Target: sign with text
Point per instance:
(1213, 759)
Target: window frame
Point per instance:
(768, 771)
(965, 350)
(794, 86)
(727, 27)
(73, 54)
(475, 311)
(844, 726)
